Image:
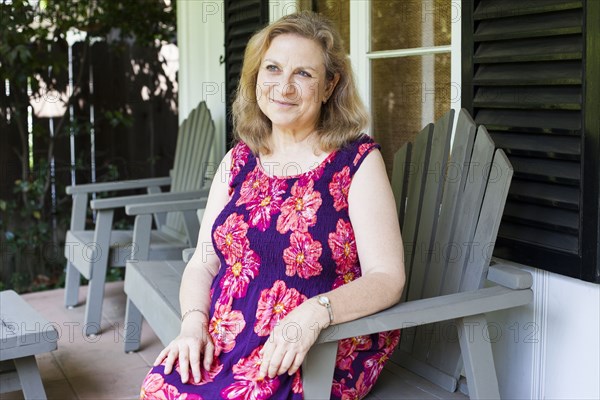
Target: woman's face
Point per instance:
(291, 83)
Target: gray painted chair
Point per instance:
(91, 252)
(449, 207)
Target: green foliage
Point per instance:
(34, 39)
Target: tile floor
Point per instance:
(97, 368)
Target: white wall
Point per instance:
(549, 349)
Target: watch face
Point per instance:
(323, 300)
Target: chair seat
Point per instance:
(81, 251)
(153, 286)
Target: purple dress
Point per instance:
(281, 241)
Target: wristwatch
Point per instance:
(324, 301)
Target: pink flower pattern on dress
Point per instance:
(343, 247)
(299, 211)
(348, 350)
(339, 188)
(362, 149)
(347, 277)
(225, 325)
(248, 385)
(388, 340)
(373, 367)
(239, 158)
(230, 237)
(266, 204)
(152, 384)
(302, 256)
(274, 304)
(238, 275)
(206, 376)
(297, 384)
(256, 183)
(353, 393)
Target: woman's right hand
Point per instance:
(191, 346)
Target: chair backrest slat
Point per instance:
(429, 207)
(469, 201)
(415, 188)
(399, 180)
(195, 139)
(454, 181)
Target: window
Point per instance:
(401, 54)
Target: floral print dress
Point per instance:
(281, 241)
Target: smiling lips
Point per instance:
(282, 103)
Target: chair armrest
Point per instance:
(186, 254)
(151, 208)
(420, 312)
(123, 201)
(120, 185)
(509, 276)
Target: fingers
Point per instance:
(171, 357)
(194, 355)
(161, 356)
(184, 363)
(298, 360)
(209, 353)
(286, 362)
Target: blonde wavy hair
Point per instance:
(343, 116)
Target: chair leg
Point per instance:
(71, 285)
(478, 358)
(133, 327)
(317, 371)
(95, 298)
(29, 375)
(99, 264)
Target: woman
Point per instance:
(301, 235)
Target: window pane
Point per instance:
(337, 11)
(405, 24)
(407, 94)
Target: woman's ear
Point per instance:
(330, 87)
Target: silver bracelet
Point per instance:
(194, 310)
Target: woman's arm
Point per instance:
(379, 244)
(194, 299)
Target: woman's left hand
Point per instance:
(291, 339)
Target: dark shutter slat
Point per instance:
(549, 194)
(542, 217)
(509, 8)
(538, 236)
(538, 97)
(552, 146)
(565, 172)
(543, 120)
(535, 25)
(523, 74)
(535, 49)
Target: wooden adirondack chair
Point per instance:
(449, 206)
(91, 252)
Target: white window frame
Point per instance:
(361, 56)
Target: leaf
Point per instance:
(3, 205)
(37, 215)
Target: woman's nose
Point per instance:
(289, 88)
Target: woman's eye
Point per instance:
(305, 74)
(272, 68)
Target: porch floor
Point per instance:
(97, 368)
